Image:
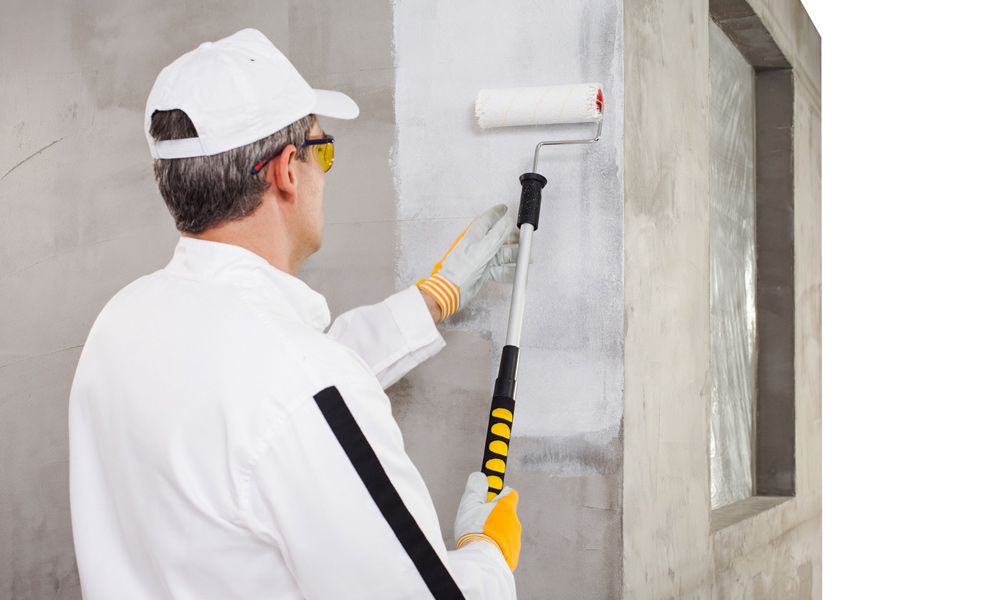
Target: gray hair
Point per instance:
(206, 191)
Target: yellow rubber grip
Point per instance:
(501, 421)
(501, 430)
(503, 413)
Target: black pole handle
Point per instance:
(531, 199)
(501, 420)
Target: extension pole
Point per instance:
(502, 409)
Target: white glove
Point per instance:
(487, 249)
(495, 521)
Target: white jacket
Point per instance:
(200, 465)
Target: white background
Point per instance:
(910, 360)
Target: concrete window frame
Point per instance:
(774, 95)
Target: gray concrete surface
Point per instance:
(667, 504)
(672, 548)
(80, 215)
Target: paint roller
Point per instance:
(580, 103)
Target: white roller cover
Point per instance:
(508, 107)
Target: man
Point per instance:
(221, 444)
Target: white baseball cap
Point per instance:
(236, 91)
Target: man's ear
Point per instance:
(284, 178)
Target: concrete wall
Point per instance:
(80, 217)
(672, 546)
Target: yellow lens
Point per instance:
(324, 152)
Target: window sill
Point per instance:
(741, 510)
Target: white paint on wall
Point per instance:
(448, 170)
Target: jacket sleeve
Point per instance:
(391, 337)
(305, 498)
(481, 571)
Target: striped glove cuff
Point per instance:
(472, 537)
(444, 292)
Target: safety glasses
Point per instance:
(323, 147)
(324, 151)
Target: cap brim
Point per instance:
(335, 104)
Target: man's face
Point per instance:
(311, 213)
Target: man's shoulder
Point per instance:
(137, 286)
(314, 352)
(126, 299)
(252, 325)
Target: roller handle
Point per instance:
(501, 420)
(502, 409)
(531, 199)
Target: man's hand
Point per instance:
(494, 521)
(487, 249)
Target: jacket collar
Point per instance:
(202, 260)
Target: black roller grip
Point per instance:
(531, 199)
(501, 420)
